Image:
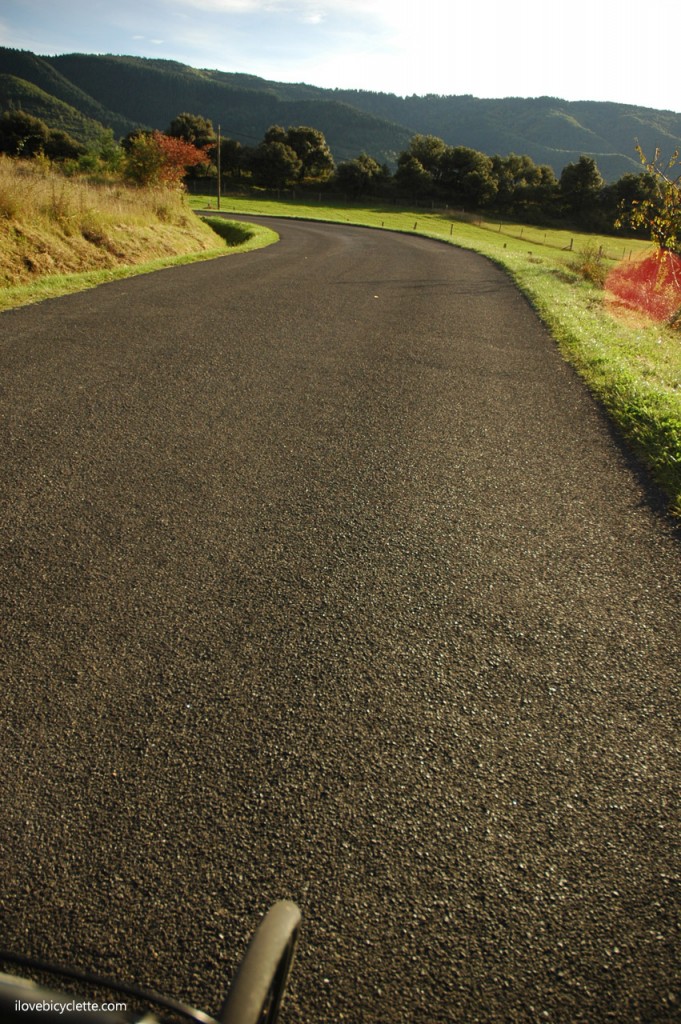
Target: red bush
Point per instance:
(178, 155)
(651, 286)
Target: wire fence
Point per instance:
(535, 236)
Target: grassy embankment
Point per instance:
(61, 235)
(633, 366)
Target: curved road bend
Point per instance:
(323, 577)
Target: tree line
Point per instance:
(428, 169)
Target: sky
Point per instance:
(624, 51)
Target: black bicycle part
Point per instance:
(258, 987)
(254, 997)
(98, 981)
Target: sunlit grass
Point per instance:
(481, 233)
(53, 285)
(62, 234)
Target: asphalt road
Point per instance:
(322, 577)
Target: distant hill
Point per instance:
(37, 71)
(18, 94)
(155, 91)
(121, 93)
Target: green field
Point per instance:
(632, 366)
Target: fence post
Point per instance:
(219, 168)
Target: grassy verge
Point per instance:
(631, 365)
(244, 237)
(60, 235)
(51, 286)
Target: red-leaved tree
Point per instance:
(178, 157)
(157, 159)
(654, 284)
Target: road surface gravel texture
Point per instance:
(324, 578)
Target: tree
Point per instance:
(623, 194)
(153, 158)
(178, 158)
(521, 182)
(580, 184)
(192, 128)
(411, 175)
(632, 189)
(231, 156)
(430, 165)
(309, 146)
(22, 134)
(514, 174)
(360, 176)
(659, 212)
(312, 150)
(128, 141)
(110, 154)
(547, 187)
(273, 164)
(275, 133)
(429, 151)
(143, 160)
(289, 154)
(654, 283)
(658, 281)
(467, 175)
(62, 146)
(196, 131)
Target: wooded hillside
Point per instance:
(121, 93)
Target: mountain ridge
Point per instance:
(123, 92)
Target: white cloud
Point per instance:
(313, 18)
(308, 11)
(324, 7)
(220, 6)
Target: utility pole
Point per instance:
(219, 168)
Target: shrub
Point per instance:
(158, 159)
(651, 286)
(590, 264)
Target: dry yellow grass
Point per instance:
(50, 224)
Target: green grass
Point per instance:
(242, 237)
(633, 367)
